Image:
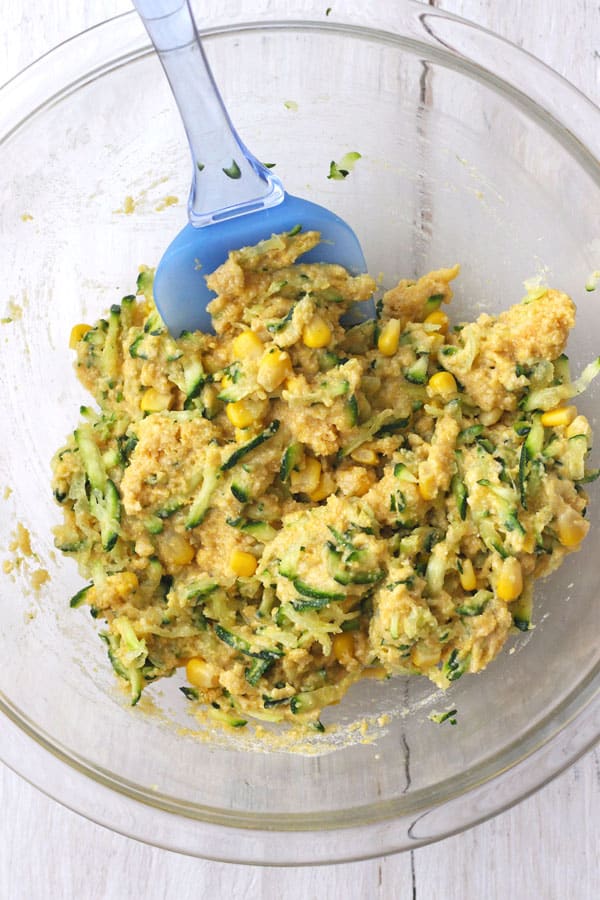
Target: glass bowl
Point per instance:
(472, 151)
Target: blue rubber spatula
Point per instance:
(234, 200)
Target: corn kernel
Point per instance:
(176, 550)
(325, 487)
(343, 647)
(77, 333)
(201, 674)
(437, 317)
(247, 345)
(363, 484)
(155, 401)
(306, 481)
(443, 383)
(468, 579)
(424, 656)
(509, 585)
(562, 415)
(389, 337)
(365, 456)
(316, 334)
(243, 564)
(571, 528)
(239, 414)
(274, 368)
(427, 486)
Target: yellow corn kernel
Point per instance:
(77, 333)
(389, 337)
(427, 486)
(571, 528)
(306, 481)
(343, 646)
(316, 334)
(243, 564)
(155, 401)
(579, 425)
(363, 482)
(510, 580)
(468, 579)
(562, 415)
(176, 550)
(247, 345)
(437, 317)
(365, 456)
(200, 673)
(239, 414)
(443, 383)
(424, 656)
(274, 368)
(325, 487)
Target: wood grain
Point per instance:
(544, 849)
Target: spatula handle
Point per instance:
(228, 180)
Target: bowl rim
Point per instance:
(391, 826)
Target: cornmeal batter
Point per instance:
(286, 506)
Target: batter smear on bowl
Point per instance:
(286, 506)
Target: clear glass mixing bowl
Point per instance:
(472, 151)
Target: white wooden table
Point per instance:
(546, 848)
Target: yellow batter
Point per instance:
(287, 506)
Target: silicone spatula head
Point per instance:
(234, 200)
